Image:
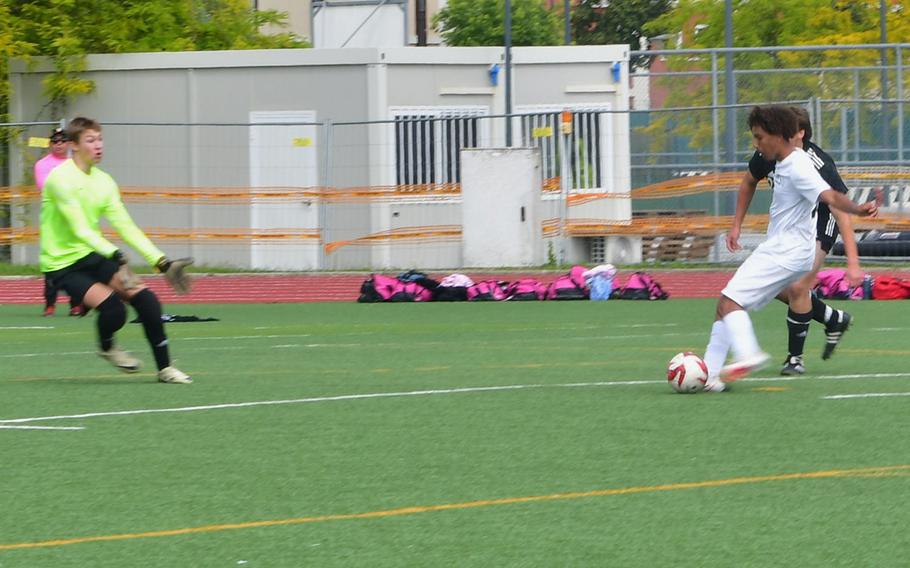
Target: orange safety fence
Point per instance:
(24, 235)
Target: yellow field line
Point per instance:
(882, 471)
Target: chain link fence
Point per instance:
(334, 195)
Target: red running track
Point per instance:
(288, 288)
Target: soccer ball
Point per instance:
(687, 373)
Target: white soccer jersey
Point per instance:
(797, 185)
(789, 250)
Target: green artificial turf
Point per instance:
(515, 414)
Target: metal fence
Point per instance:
(334, 192)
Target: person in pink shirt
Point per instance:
(59, 153)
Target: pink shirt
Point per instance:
(44, 166)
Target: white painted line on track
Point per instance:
(403, 394)
(865, 395)
(5, 427)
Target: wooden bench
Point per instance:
(676, 248)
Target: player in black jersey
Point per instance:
(804, 305)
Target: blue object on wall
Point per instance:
(617, 69)
(494, 74)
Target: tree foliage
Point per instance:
(482, 22)
(67, 30)
(595, 22)
(700, 24)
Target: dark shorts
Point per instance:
(826, 228)
(78, 277)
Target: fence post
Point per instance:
(327, 133)
(565, 177)
(843, 134)
(856, 111)
(900, 103)
(715, 130)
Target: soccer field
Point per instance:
(503, 434)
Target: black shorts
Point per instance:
(78, 277)
(826, 228)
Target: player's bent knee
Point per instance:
(112, 311)
(96, 295)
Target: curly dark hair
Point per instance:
(777, 120)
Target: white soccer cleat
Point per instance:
(739, 369)
(714, 384)
(174, 376)
(121, 359)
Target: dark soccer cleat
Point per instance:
(793, 365)
(834, 331)
(77, 311)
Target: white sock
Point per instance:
(716, 352)
(741, 335)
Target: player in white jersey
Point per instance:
(785, 256)
(804, 305)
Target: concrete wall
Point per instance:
(183, 120)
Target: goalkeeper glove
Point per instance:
(175, 273)
(119, 257)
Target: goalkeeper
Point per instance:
(75, 255)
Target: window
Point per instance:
(428, 141)
(587, 145)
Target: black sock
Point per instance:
(50, 293)
(111, 317)
(148, 308)
(821, 312)
(798, 328)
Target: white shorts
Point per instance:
(762, 276)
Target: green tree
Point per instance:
(482, 22)
(67, 30)
(595, 22)
(700, 24)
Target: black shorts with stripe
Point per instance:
(826, 228)
(78, 277)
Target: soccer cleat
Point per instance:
(77, 311)
(715, 385)
(834, 331)
(739, 369)
(121, 359)
(793, 365)
(48, 311)
(173, 376)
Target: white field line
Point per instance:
(5, 427)
(406, 344)
(402, 394)
(864, 395)
(26, 327)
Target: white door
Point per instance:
(283, 154)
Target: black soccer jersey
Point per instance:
(826, 227)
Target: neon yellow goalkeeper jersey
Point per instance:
(71, 208)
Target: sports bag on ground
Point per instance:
(641, 286)
(487, 291)
(377, 288)
(570, 286)
(526, 289)
(888, 288)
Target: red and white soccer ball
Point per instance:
(687, 373)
